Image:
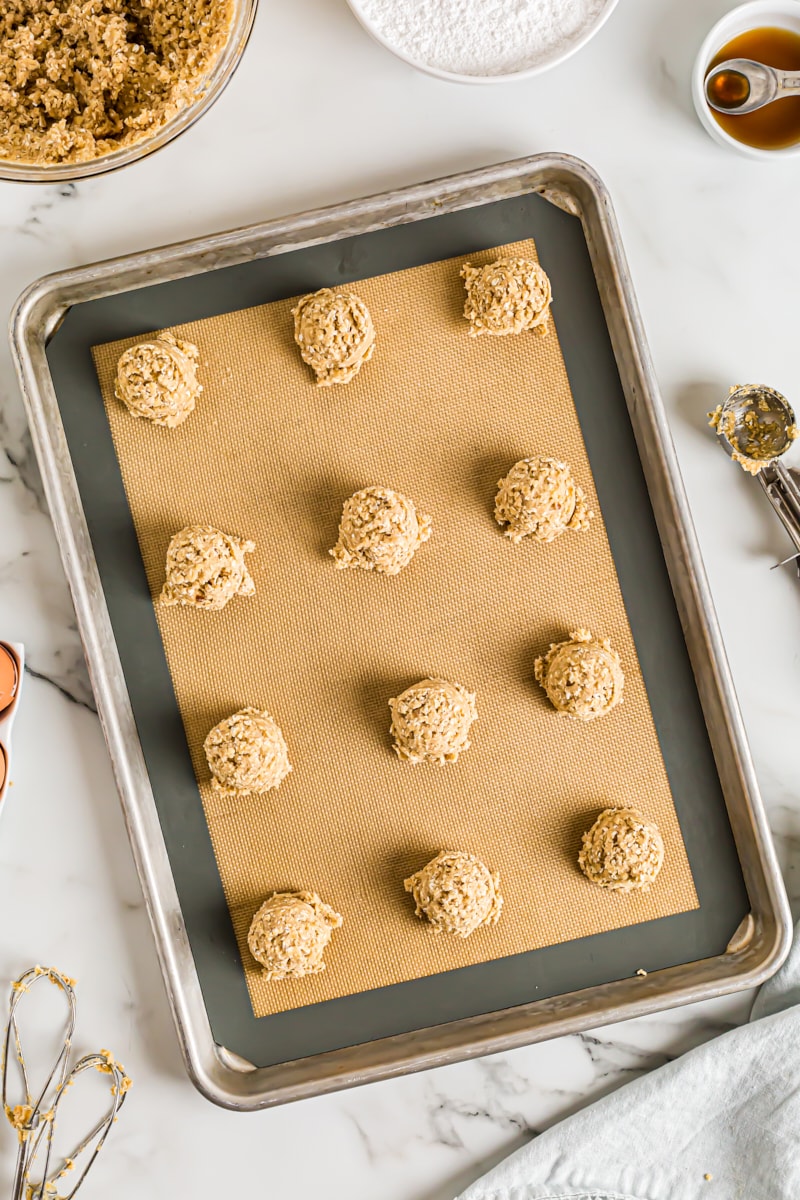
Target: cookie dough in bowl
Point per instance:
(622, 851)
(539, 499)
(510, 295)
(94, 86)
(335, 334)
(290, 933)
(206, 568)
(431, 722)
(246, 753)
(456, 893)
(582, 676)
(380, 531)
(157, 380)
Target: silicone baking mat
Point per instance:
(441, 417)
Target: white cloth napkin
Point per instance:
(720, 1123)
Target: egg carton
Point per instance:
(16, 651)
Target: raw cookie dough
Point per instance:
(760, 437)
(206, 568)
(457, 893)
(81, 79)
(622, 851)
(380, 530)
(431, 721)
(335, 334)
(538, 498)
(246, 753)
(289, 933)
(158, 380)
(507, 296)
(582, 677)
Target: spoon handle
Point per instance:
(784, 496)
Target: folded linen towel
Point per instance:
(720, 1123)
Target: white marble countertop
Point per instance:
(707, 233)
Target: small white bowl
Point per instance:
(580, 39)
(780, 14)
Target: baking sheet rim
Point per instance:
(754, 956)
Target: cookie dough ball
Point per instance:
(335, 334)
(206, 568)
(507, 296)
(289, 933)
(539, 499)
(622, 851)
(158, 380)
(457, 893)
(380, 530)
(246, 753)
(431, 721)
(582, 677)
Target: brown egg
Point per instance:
(3, 767)
(9, 678)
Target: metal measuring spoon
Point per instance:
(756, 425)
(741, 85)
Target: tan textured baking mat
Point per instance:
(440, 416)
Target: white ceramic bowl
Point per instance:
(558, 56)
(781, 14)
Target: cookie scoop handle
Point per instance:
(782, 487)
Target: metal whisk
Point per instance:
(34, 1116)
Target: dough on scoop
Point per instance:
(622, 851)
(380, 530)
(206, 568)
(246, 753)
(509, 295)
(335, 334)
(582, 677)
(457, 893)
(538, 498)
(289, 933)
(158, 380)
(431, 721)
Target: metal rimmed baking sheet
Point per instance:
(563, 987)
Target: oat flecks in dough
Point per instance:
(539, 498)
(457, 893)
(582, 677)
(289, 934)
(158, 380)
(380, 530)
(509, 295)
(80, 80)
(206, 568)
(335, 334)
(622, 851)
(246, 753)
(431, 722)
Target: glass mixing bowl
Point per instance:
(209, 89)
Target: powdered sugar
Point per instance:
(481, 37)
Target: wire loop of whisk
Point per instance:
(35, 1114)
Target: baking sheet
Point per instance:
(269, 270)
(439, 416)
